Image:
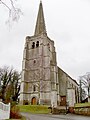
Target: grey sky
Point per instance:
(67, 23)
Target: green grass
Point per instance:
(38, 109)
(82, 105)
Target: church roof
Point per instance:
(40, 23)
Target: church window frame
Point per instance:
(34, 61)
(34, 88)
(33, 45)
(37, 44)
(48, 46)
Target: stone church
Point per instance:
(43, 82)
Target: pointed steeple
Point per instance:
(40, 24)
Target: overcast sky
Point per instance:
(67, 23)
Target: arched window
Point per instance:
(34, 88)
(33, 45)
(37, 44)
(48, 46)
(34, 61)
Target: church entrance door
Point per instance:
(63, 101)
(33, 102)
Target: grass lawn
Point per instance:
(39, 109)
(82, 105)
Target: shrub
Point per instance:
(14, 113)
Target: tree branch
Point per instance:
(12, 4)
(5, 5)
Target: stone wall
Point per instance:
(82, 108)
(82, 111)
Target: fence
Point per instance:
(4, 111)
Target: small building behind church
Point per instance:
(43, 82)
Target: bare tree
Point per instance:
(10, 84)
(83, 93)
(14, 12)
(85, 83)
(5, 77)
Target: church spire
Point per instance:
(40, 24)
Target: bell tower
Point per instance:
(39, 83)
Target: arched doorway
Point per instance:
(63, 101)
(33, 101)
